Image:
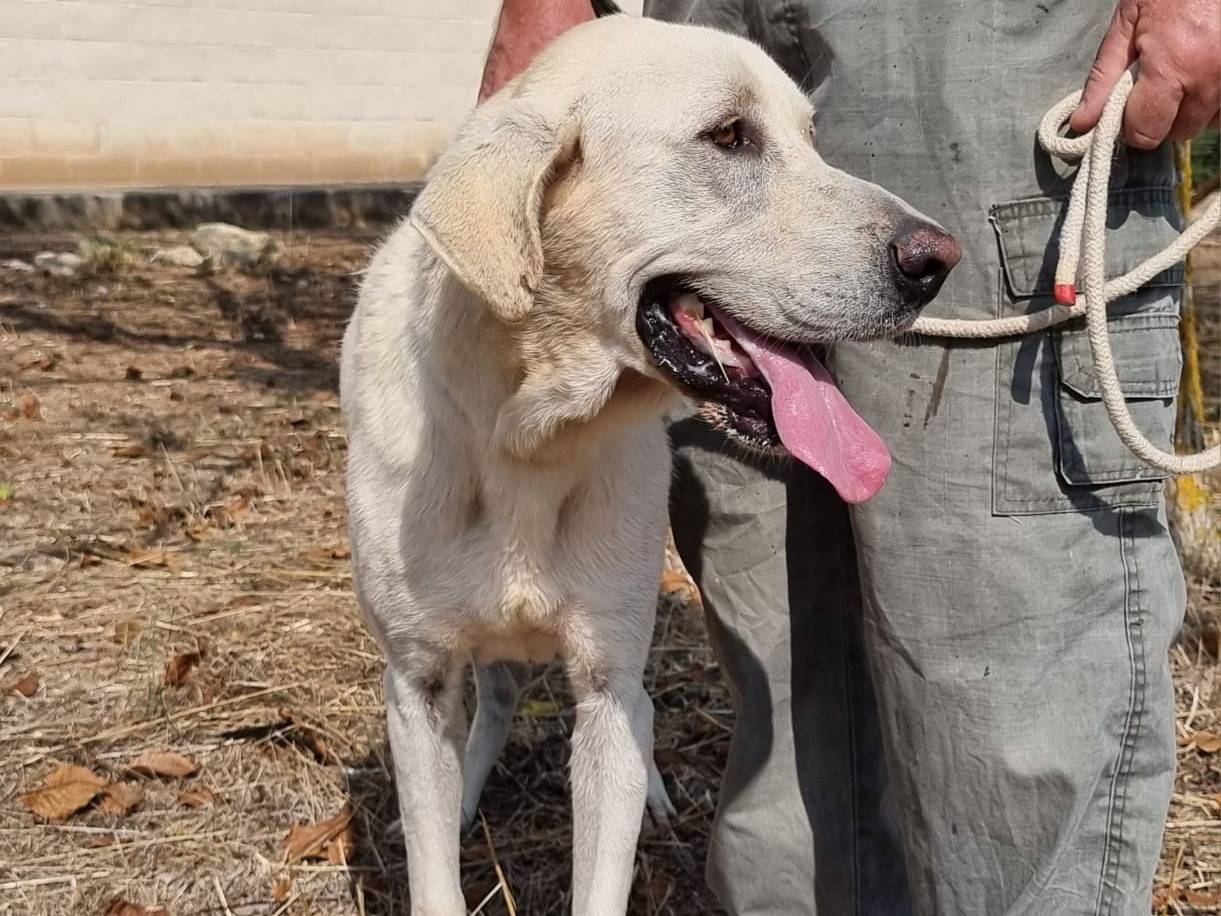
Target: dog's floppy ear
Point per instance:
(480, 208)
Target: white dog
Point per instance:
(641, 214)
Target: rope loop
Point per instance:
(1083, 248)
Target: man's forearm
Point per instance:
(524, 28)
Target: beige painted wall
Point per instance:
(147, 93)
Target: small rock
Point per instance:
(233, 245)
(178, 256)
(17, 266)
(58, 263)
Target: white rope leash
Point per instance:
(1085, 228)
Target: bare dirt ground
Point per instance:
(174, 578)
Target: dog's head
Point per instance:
(658, 187)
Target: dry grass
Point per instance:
(173, 448)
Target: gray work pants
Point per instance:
(992, 628)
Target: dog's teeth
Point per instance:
(691, 304)
(701, 330)
(721, 348)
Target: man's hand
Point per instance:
(1178, 84)
(525, 28)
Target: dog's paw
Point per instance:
(658, 807)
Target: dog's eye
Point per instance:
(730, 135)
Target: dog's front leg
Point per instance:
(612, 745)
(426, 729)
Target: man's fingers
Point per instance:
(1152, 108)
(1195, 114)
(1115, 55)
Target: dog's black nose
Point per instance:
(922, 256)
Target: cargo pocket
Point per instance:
(1148, 362)
(1055, 448)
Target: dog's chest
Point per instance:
(516, 561)
(511, 569)
(517, 595)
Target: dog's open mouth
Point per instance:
(767, 393)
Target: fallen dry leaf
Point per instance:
(1211, 639)
(126, 630)
(66, 790)
(339, 850)
(306, 735)
(26, 686)
(229, 514)
(120, 907)
(120, 798)
(197, 529)
(43, 361)
(27, 406)
(282, 888)
(163, 763)
(178, 667)
(325, 555)
(1197, 899)
(677, 582)
(262, 453)
(149, 516)
(672, 580)
(1206, 742)
(196, 798)
(333, 840)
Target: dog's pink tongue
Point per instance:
(815, 421)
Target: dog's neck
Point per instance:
(546, 396)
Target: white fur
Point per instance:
(508, 469)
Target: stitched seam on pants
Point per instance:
(1108, 893)
(850, 700)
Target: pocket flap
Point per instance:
(1147, 366)
(1139, 221)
